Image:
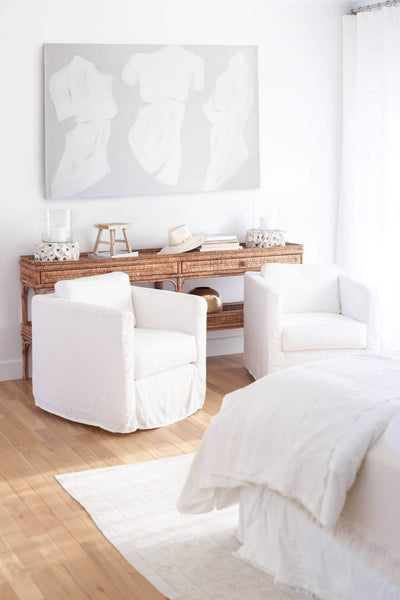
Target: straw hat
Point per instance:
(181, 239)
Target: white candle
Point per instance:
(60, 233)
(265, 223)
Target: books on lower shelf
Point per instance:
(220, 241)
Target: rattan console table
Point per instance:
(150, 267)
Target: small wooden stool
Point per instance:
(111, 227)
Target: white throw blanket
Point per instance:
(302, 432)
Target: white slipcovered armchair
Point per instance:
(118, 357)
(295, 314)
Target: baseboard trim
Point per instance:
(10, 369)
(227, 341)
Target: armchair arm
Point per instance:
(83, 362)
(359, 301)
(262, 325)
(159, 309)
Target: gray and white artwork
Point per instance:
(123, 120)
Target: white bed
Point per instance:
(322, 518)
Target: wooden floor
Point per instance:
(49, 547)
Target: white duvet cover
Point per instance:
(302, 432)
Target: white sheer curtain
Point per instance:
(369, 213)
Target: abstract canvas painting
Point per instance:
(123, 120)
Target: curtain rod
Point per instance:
(355, 11)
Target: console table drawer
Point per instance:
(143, 272)
(220, 266)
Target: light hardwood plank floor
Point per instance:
(49, 547)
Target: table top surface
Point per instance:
(150, 254)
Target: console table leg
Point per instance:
(25, 320)
(25, 363)
(159, 285)
(24, 302)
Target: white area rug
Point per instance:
(186, 557)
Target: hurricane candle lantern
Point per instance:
(57, 225)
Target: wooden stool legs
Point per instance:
(112, 242)
(112, 227)
(98, 241)
(128, 246)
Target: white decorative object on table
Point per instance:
(181, 239)
(57, 225)
(265, 223)
(56, 251)
(265, 238)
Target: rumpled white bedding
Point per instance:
(302, 432)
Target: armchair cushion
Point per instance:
(157, 350)
(112, 290)
(321, 331)
(305, 288)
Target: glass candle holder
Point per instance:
(57, 225)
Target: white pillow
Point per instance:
(111, 289)
(305, 288)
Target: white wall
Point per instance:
(300, 60)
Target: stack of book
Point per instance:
(219, 241)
